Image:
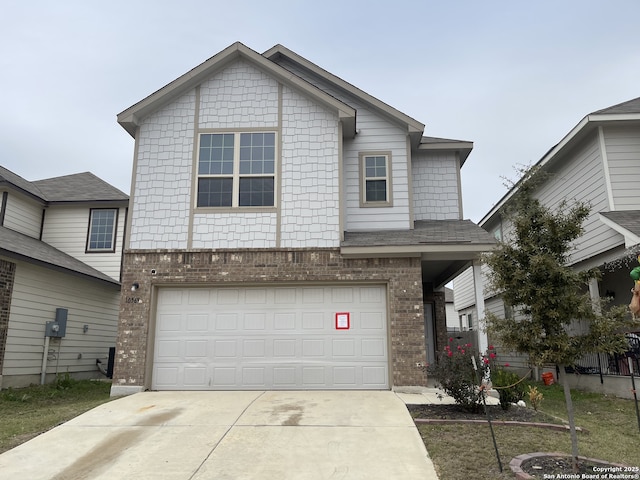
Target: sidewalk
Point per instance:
(432, 395)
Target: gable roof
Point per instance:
(17, 245)
(80, 187)
(628, 111)
(130, 118)
(414, 127)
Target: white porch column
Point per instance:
(478, 286)
(594, 293)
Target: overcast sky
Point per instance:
(512, 76)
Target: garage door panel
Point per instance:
(270, 338)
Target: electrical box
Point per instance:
(57, 328)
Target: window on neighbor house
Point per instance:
(102, 230)
(236, 169)
(470, 321)
(375, 179)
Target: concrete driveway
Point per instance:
(230, 435)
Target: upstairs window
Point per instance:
(375, 179)
(102, 230)
(236, 170)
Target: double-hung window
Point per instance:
(102, 230)
(375, 179)
(236, 169)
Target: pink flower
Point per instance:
(507, 365)
(462, 352)
(486, 361)
(450, 339)
(492, 355)
(449, 353)
(459, 347)
(468, 345)
(490, 347)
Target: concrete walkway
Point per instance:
(297, 435)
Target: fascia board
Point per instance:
(413, 126)
(630, 238)
(419, 250)
(129, 118)
(586, 124)
(549, 156)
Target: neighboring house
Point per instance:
(597, 162)
(61, 245)
(287, 231)
(454, 323)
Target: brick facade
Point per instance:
(154, 268)
(7, 275)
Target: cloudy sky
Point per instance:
(512, 76)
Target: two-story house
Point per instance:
(287, 231)
(61, 245)
(597, 162)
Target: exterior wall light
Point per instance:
(135, 286)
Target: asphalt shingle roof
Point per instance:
(80, 187)
(425, 232)
(36, 251)
(630, 106)
(8, 177)
(627, 219)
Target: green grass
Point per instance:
(460, 452)
(27, 412)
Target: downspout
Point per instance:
(43, 372)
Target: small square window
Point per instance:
(102, 230)
(375, 179)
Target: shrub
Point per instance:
(510, 386)
(454, 373)
(535, 397)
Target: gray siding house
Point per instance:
(287, 231)
(597, 162)
(61, 245)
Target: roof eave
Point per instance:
(462, 148)
(414, 127)
(416, 250)
(589, 122)
(630, 238)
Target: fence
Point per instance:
(610, 364)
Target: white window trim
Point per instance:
(235, 196)
(88, 248)
(363, 179)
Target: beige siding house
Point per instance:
(61, 243)
(287, 231)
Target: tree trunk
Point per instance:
(572, 421)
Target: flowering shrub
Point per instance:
(454, 373)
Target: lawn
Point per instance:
(466, 451)
(27, 412)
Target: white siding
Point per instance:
(579, 176)
(435, 186)
(36, 295)
(66, 229)
(463, 290)
(375, 133)
(623, 155)
(23, 215)
(160, 203)
(234, 230)
(310, 208)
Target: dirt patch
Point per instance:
(454, 412)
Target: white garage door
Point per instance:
(272, 338)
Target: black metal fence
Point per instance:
(611, 364)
